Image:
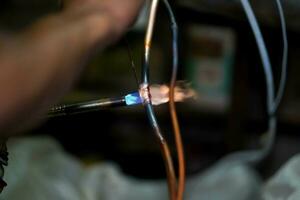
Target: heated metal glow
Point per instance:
(160, 93)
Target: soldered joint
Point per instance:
(145, 93)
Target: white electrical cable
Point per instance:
(255, 156)
(263, 53)
(283, 78)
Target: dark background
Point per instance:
(124, 135)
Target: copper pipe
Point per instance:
(175, 123)
(179, 147)
(172, 182)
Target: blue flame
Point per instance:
(133, 99)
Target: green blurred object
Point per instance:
(209, 65)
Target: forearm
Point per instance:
(38, 66)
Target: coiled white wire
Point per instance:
(255, 156)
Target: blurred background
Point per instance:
(220, 60)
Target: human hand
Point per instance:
(121, 12)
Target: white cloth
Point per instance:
(40, 170)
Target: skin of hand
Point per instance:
(119, 11)
(39, 65)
